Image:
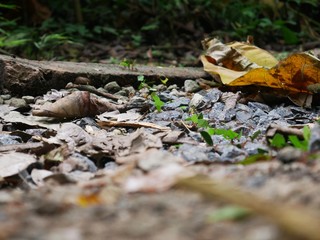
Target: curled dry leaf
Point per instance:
(77, 104)
(12, 163)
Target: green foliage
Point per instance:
(208, 131)
(139, 22)
(229, 213)
(254, 158)
(279, 141)
(164, 80)
(128, 63)
(157, 101)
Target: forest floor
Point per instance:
(96, 177)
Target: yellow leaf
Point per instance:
(226, 75)
(293, 74)
(254, 54)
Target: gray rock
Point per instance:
(198, 101)
(281, 111)
(8, 139)
(183, 101)
(257, 105)
(112, 87)
(243, 116)
(5, 96)
(253, 148)
(289, 154)
(232, 154)
(167, 115)
(191, 86)
(173, 86)
(29, 99)
(314, 142)
(126, 91)
(138, 102)
(165, 96)
(122, 92)
(1, 100)
(192, 153)
(16, 102)
(214, 95)
(131, 91)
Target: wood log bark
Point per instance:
(29, 77)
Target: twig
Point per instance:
(297, 221)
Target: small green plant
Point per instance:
(164, 80)
(279, 141)
(261, 156)
(128, 63)
(229, 213)
(207, 132)
(142, 81)
(157, 101)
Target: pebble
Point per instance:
(289, 154)
(5, 96)
(16, 102)
(198, 101)
(192, 153)
(29, 99)
(112, 87)
(191, 86)
(8, 139)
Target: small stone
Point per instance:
(16, 102)
(173, 86)
(192, 153)
(198, 101)
(183, 101)
(232, 154)
(314, 142)
(138, 102)
(131, 91)
(253, 148)
(191, 86)
(82, 81)
(8, 139)
(214, 95)
(112, 87)
(168, 115)
(289, 154)
(122, 92)
(5, 96)
(29, 99)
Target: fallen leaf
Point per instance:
(12, 163)
(293, 74)
(238, 64)
(131, 124)
(77, 104)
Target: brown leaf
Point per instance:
(294, 74)
(77, 104)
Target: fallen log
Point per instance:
(29, 77)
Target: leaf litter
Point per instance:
(105, 164)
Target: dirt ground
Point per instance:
(50, 211)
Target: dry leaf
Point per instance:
(12, 163)
(296, 77)
(237, 56)
(293, 74)
(77, 104)
(131, 124)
